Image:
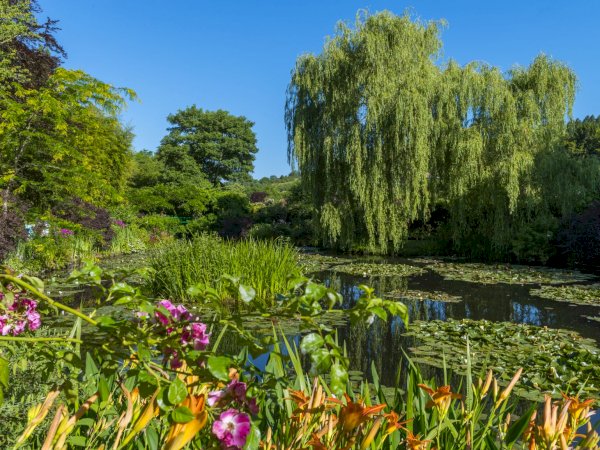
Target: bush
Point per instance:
(578, 240)
(89, 216)
(12, 228)
(53, 252)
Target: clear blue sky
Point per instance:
(237, 55)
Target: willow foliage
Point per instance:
(381, 130)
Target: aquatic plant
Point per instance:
(265, 265)
(556, 360)
(317, 262)
(506, 273)
(579, 295)
(365, 270)
(438, 296)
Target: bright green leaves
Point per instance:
(64, 139)
(379, 149)
(177, 391)
(4, 374)
(369, 306)
(219, 366)
(311, 342)
(182, 414)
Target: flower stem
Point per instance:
(47, 299)
(40, 339)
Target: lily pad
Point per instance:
(595, 319)
(316, 262)
(579, 295)
(377, 269)
(506, 273)
(438, 296)
(554, 360)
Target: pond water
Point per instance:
(383, 344)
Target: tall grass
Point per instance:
(264, 265)
(129, 239)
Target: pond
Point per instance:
(431, 294)
(493, 299)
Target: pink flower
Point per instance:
(66, 232)
(215, 397)
(196, 334)
(232, 428)
(19, 316)
(120, 223)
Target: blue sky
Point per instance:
(237, 55)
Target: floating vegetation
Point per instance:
(555, 360)
(377, 269)
(579, 295)
(503, 273)
(316, 262)
(595, 319)
(438, 296)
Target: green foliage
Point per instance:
(414, 134)
(505, 273)
(221, 145)
(555, 360)
(64, 140)
(577, 295)
(266, 266)
(29, 51)
(583, 136)
(53, 252)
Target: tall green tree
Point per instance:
(64, 139)
(583, 136)
(222, 145)
(381, 131)
(29, 52)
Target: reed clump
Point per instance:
(265, 265)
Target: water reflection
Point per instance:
(382, 344)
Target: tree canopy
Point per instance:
(60, 135)
(382, 131)
(222, 145)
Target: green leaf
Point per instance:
(103, 389)
(311, 342)
(339, 379)
(321, 359)
(77, 441)
(183, 414)
(90, 367)
(518, 428)
(4, 372)
(151, 438)
(177, 391)
(253, 439)
(315, 291)
(219, 367)
(247, 293)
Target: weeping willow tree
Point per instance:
(381, 131)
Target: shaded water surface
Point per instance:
(383, 344)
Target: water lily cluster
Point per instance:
(19, 316)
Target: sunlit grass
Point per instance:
(264, 265)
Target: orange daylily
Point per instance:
(354, 414)
(393, 422)
(440, 398)
(182, 433)
(578, 410)
(415, 443)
